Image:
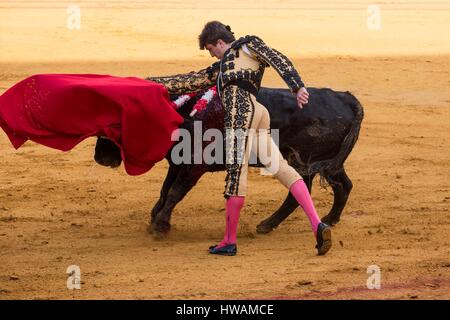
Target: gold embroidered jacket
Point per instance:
(243, 65)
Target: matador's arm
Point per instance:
(278, 61)
(189, 82)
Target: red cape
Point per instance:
(61, 110)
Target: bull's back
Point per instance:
(317, 129)
(324, 104)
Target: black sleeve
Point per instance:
(278, 61)
(189, 82)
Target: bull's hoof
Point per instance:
(329, 220)
(158, 231)
(150, 228)
(264, 228)
(158, 235)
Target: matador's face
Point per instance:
(217, 50)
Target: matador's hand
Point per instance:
(302, 97)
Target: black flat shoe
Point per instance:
(228, 250)
(323, 239)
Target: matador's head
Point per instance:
(216, 37)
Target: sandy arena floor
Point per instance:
(60, 209)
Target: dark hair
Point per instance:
(212, 32)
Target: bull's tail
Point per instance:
(333, 165)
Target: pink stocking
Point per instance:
(233, 208)
(301, 194)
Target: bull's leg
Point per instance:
(288, 206)
(342, 186)
(170, 178)
(186, 178)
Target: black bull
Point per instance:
(314, 140)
